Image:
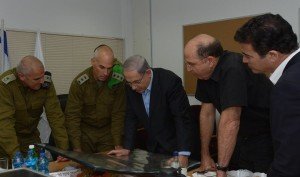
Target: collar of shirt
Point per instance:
(216, 73)
(146, 96)
(150, 85)
(278, 71)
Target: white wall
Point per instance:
(80, 17)
(141, 29)
(127, 26)
(92, 17)
(169, 16)
(152, 28)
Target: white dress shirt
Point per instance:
(279, 70)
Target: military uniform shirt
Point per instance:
(20, 113)
(95, 111)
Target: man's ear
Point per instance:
(92, 61)
(21, 76)
(273, 56)
(212, 61)
(148, 71)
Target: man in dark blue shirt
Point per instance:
(269, 45)
(156, 99)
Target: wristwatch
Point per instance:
(221, 168)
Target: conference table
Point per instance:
(139, 162)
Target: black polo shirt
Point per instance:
(233, 84)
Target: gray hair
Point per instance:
(136, 63)
(27, 64)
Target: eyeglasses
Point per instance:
(190, 65)
(136, 82)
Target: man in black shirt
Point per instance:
(241, 98)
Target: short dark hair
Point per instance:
(268, 32)
(214, 49)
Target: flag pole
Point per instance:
(2, 44)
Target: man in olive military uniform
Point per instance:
(23, 94)
(96, 105)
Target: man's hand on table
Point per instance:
(61, 159)
(64, 159)
(119, 152)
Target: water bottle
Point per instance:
(43, 163)
(35, 155)
(31, 159)
(175, 161)
(18, 160)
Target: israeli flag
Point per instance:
(5, 60)
(43, 126)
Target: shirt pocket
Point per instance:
(22, 121)
(89, 108)
(107, 97)
(37, 105)
(104, 106)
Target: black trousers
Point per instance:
(254, 153)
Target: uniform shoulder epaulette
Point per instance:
(82, 79)
(7, 79)
(48, 77)
(117, 76)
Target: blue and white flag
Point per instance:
(5, 60)
(38, 52)
(43, 126)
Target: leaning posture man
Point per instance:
(22, 98)
(269, 45)
(242, 99)
(96, 105)
(157, 100)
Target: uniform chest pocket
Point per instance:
(20, 105)
(98, 106)
(37, 108)
(104, 106)
(106, 98)
(90, 108)
(89, 105)
(38, 103)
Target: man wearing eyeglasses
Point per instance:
(96, 105)
(242, 99)
(156, 99)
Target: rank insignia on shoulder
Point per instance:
(82, 79)
(47, 77)
(47, 80)
(117, 76)
(7, 79)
